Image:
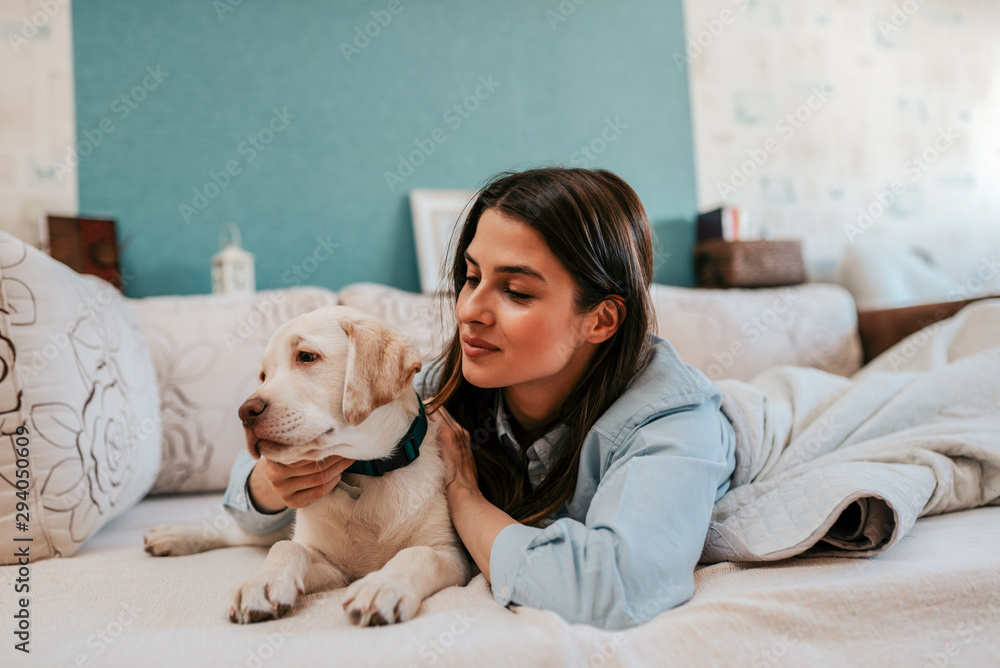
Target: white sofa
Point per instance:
(131, 407)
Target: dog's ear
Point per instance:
(380, 364)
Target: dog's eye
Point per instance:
(307, 357)
(262, 376)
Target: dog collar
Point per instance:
(407, 449)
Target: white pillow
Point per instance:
(207, 351)
(883, 273)
(78, 399)
(739, 333)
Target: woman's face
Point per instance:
(515, 311)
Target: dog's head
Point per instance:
(322, 376)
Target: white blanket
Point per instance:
(843, 467)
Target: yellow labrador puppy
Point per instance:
(338, 382)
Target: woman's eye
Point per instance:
(307, 357)
(520, 296)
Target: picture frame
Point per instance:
(436, 216)
(86, 245)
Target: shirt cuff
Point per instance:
(238, 504)
(507, 559)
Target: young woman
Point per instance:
(583, 456)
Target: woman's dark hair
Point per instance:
(594, 223)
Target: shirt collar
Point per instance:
(541, 454)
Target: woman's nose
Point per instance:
(474, 306)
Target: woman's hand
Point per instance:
(274, 486)
(456, 451)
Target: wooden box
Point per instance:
(748, 264)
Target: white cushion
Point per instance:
(207, 351)
(888, 274)
(740, 333)
(77, 375)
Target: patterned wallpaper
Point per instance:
(843, 123)
(37, 124)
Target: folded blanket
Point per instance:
(831, 466)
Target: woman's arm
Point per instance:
(263, 494)
(478, 523)
(237, 501)
(634, 554)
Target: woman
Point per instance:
(596, 454)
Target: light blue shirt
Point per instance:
(624, 548)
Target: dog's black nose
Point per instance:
(252, 409)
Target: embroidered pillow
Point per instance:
(79, 408)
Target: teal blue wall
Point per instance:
(156, 141)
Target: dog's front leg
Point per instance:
(290, 570)
(395, 592)
(172, 540)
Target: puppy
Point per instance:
(337, 382)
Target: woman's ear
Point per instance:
(606, 319)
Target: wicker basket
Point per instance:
(748, 264)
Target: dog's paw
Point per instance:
(265, 598)
(168, 540)
(375, 600)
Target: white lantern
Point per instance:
(232, 267)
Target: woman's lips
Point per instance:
(477, 347)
